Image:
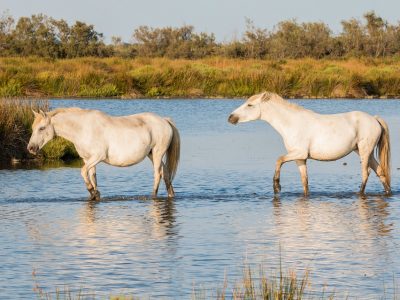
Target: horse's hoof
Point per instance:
(277, 187)
(94, 195)
(388, 193)
(362, 195)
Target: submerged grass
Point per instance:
(209, 77)
(16, 119)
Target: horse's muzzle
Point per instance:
(233, 119)
(33, 149)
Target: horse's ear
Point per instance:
(42, 113)
(266, 96)
(34, 113)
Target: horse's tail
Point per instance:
(173, 151)
(383, 149)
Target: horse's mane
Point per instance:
(56, 111)
(278, 99)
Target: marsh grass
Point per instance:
(16, 119)
(208, 77)
(251, 286)
(260, 285)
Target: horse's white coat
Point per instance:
(307, 134)
(118, 141)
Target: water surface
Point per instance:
(224, 215)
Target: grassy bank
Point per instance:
(16, 118)
(210, 77)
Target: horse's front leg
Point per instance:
(88, 173)
(85, 176)
(95, 194)
(298, 155)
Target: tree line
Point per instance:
(44, 36)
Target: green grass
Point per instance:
(16, 118)
(210, 77)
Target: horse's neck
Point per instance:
(66, 126)
(280, 116)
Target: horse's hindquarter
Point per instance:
(334, 136)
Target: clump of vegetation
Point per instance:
(16, 118)
(253, 286)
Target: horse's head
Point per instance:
(250, 110)
(42, 132)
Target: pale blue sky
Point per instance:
(226, 18)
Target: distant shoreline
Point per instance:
(209, 78)
(211, 98)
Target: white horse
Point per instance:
(307, 134)
(118, 141)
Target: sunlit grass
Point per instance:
(209, 77)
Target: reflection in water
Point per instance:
(158, 222)
(163, 213)
(373, 211)
(36, 164)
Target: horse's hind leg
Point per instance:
(156, 159)
(364, 153)
(301, 163)
(165, 176)
(364, 174)
(167, 180)
(373, 164)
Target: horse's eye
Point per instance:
(42, 128)
(250, 105)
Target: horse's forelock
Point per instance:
(264, 96)
(37, 120)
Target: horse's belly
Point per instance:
(122, 159)
(127, 154)
(330, 150)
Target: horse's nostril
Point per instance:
(32, 149)
(233, 119)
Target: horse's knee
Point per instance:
(83, 172)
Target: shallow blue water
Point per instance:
(224, 215)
